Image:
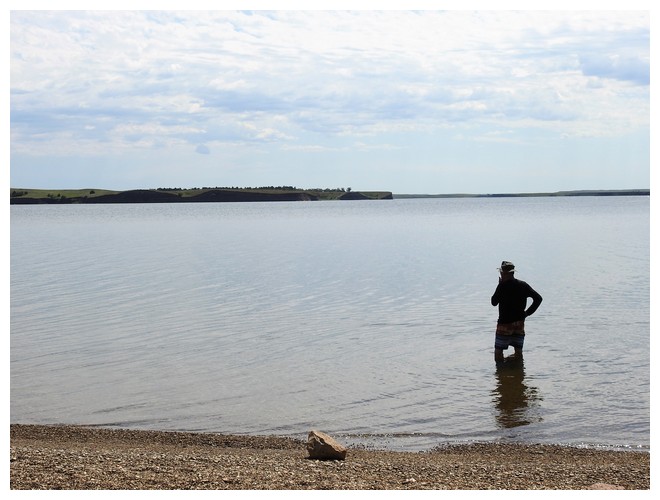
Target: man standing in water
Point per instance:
(511, 295)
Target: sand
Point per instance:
(92, 458)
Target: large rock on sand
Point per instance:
(323, 447)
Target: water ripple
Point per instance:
(370, 321)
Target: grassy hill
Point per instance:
(175, 195)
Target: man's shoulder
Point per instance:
(524, 287)
(521, 283)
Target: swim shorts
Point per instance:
(504, 341)
(510, 334)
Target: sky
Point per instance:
(408, 101)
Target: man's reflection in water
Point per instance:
(516, 402)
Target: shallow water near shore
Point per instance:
(368, 320)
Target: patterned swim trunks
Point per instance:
(510, 334)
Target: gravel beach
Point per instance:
(91, 458)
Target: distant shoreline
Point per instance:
(594, 192)
(23, 196)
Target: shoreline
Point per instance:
(30, 196)
(93, 458)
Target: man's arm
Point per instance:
(495, 299)
(536, 301)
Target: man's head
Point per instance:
(507, 268)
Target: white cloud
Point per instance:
(85, 81)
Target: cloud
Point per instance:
(330, 72)
(202, 150)
(123, 82)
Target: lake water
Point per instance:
(370, 320)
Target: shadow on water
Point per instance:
(516, 402)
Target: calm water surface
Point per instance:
(368, 320)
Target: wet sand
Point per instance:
(91, 458)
